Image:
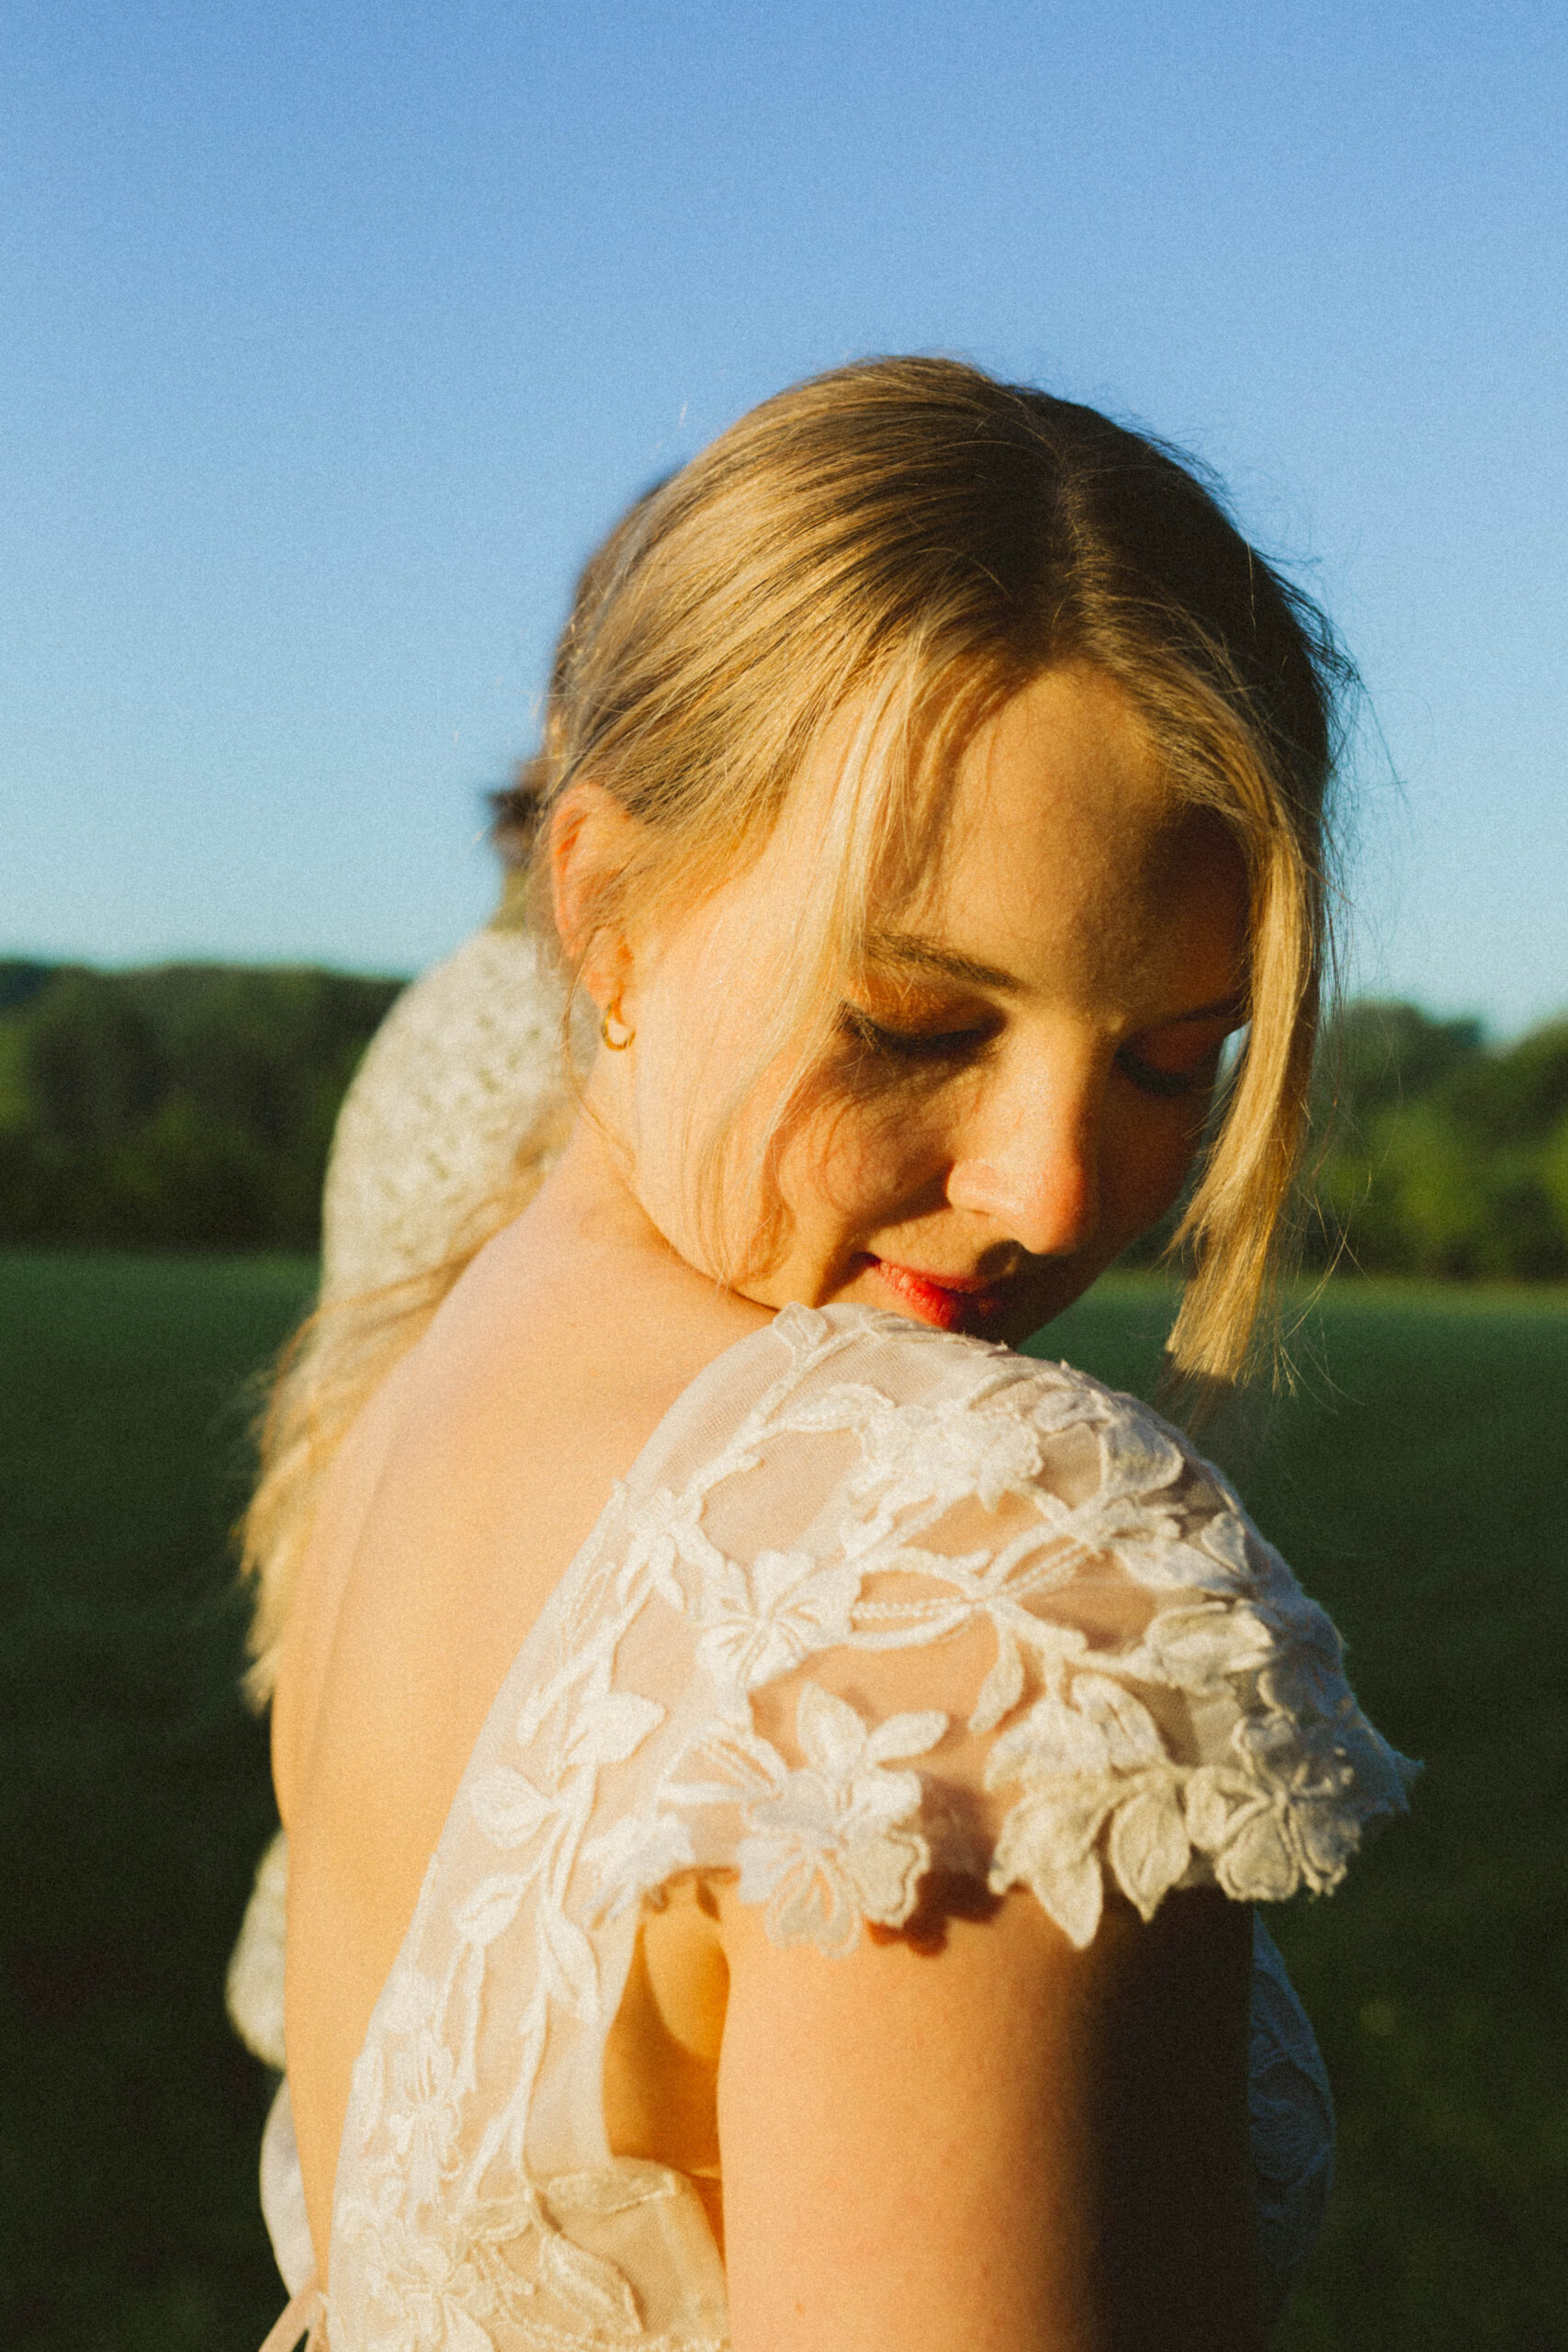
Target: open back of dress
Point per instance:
(876, 1601)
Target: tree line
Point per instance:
(1442, 1153)
(187, 1106)
(192, 1105)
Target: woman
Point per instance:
(777, 1781)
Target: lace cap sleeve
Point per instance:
(955, 1609)
(876, 1603)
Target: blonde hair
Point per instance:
(890, 551)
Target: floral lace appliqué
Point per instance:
(1191, 1723)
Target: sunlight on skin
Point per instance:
(1014, 1093)
(1029, 1060)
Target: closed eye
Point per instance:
(1166, 1083)
(910, 1045)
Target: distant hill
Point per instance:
(1445, 1155)
(191, 1105)
(20, 979)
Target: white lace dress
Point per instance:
(874, 1599)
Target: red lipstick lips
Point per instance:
(953, 1302)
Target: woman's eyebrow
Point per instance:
(902, 951)
(902, 954)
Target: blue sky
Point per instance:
(336, 333)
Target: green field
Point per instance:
(1418, 1482)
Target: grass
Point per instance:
(135, 1799)
(1418, 1483)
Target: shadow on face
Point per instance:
(1012, 1080)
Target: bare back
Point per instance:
(460, 1496)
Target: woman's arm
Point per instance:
(1003, 2145)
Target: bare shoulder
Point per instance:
(617, 1326)
(471, 1478)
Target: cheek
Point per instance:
(1150, 1151)
(852, 1163)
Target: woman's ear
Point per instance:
(590, 842)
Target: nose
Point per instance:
(1030, 1161)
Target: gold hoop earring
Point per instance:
(616, 1045)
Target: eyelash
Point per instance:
(1167, 1085)
(908, 1046)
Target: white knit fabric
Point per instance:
(462, 1069)
(256, 1972)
